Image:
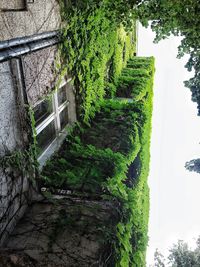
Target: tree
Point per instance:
(118, 11)
(180, 255)
(180, 18)
(193, 165)
(158, 259)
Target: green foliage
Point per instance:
(119, 12)
(86, 159)
(158, 259)
(92, 48)
(179, 255)
(95, 158)
(138, 197)
(20, 162)
(130, 72)
(137, 79)
(34, 134)
(180, 18)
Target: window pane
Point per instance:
(62, 95)
(64, 118)
(43, 110)
(45, 137)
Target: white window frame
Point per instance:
(54, 116)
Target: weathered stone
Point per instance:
(39, 73)
(12, 4)
(40, 16)
(65, 232)
(20, 18)
(13, 185)
(9, 258)
(10, 131)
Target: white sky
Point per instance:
(174, 191)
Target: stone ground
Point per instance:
(63, 231)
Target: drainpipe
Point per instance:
(20, 46)
(27, 39)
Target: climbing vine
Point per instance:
(92, 47)
(96, 159)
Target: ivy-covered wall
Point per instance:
(20, 88)
(23, 81)
(105, 158)
(96, 203)
(17, 163)
(94, 49)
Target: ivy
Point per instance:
(22, 161)
(95, 159)
(137, 79)
(92, 49)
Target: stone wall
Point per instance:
(40, 16)
(13, 185)
(23, 82)
(39, 73)
(67, 232)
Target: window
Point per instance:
(51, 118)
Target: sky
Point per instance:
(174, 191)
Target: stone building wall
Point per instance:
(13, 184)
(66, 232)
(39, 73)
(37, 17)
(23, 80)
(19, 87)
(41, 77)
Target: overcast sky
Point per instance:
(174, 192)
